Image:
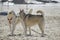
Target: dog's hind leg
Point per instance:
(30, 31)
(41, 26)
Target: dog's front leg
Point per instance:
(12, 30)
(25, 31)
(10, 27)
(24, 27)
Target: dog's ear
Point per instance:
(10, 12)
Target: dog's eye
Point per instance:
(8, 19)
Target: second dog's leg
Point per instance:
(41, 26)
(29, 31)
(25, 29)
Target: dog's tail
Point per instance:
(40, 11)
(30, 11)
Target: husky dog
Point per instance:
(12, 20)
(31, 20)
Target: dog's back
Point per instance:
(33, 19)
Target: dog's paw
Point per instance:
(43, 35)
(12, 35)
(19, 34)
(28, 35)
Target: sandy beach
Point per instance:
(52, 24)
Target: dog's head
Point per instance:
(22, 13)
(10, 16)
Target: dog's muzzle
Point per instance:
(10, 20)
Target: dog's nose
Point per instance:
(9, 21)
